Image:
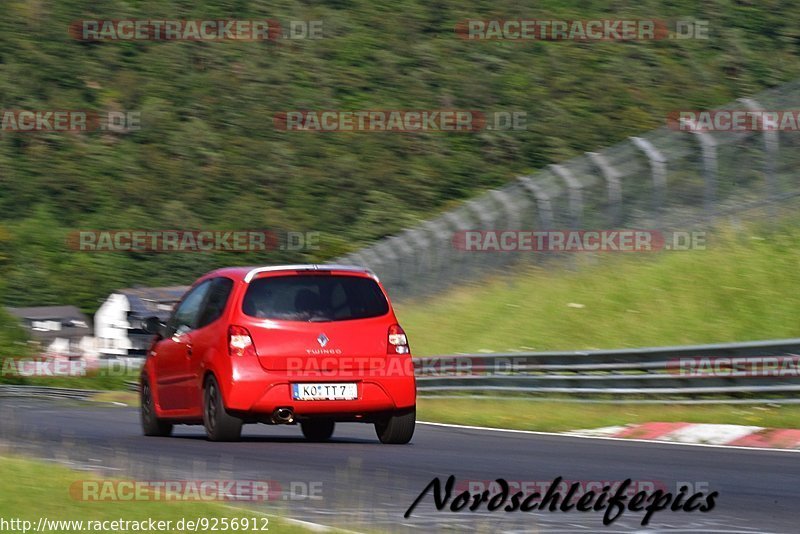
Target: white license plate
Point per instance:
(325, 391)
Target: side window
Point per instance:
(185, 317)
(217, 299)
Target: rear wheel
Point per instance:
(220, 426)
(317, 429)
(151, 424)
(398, 428)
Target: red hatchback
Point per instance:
(307, 344)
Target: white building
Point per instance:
(118, 321)
(61, 331)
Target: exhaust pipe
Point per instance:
(283, 416)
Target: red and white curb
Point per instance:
(706, 434)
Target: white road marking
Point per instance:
(710, 434)
(606, 431)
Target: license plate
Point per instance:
(325, 391)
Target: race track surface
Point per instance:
(364, 485)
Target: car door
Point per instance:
(209, 335)
(173, 352)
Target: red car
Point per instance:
(307, 344)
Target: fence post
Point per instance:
(387, 258)
(437, 239)
(367, 258)
(771, 150)
(658, 167)
(354, 258)
(457, 222)
(710, 170)
(612, 178)
(404, 252)
(543, 204)
(575, 194)
(710, 167)
(504, 200)
(487, 222)
(416, 239)
(484, 219)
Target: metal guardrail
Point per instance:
(764, 367)
(7, 390)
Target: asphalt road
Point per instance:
(363, 485)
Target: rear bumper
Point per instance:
(254, 391)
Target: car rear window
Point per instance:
(314, 298)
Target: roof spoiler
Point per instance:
(307, 267)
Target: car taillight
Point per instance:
(239, 342)
(398, 344)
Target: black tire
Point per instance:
(318, 429)
(220, 426)
(151, 425)
(397, 429)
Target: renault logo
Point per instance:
(322, 340)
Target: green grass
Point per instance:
(745, 286)
(32, 489)
(93, 380)
(100, 379)
(127, 398)
(546, 416)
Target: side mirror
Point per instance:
(154, 326)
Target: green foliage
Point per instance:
(208, 155)
(13, 343)
(743, 287)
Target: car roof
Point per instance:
(248, 273)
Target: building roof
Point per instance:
(42, 313)
(157, 294)
(153, 301)
(72, 322)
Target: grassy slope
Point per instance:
(745, 286)
(32, 489)
(209, 156)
